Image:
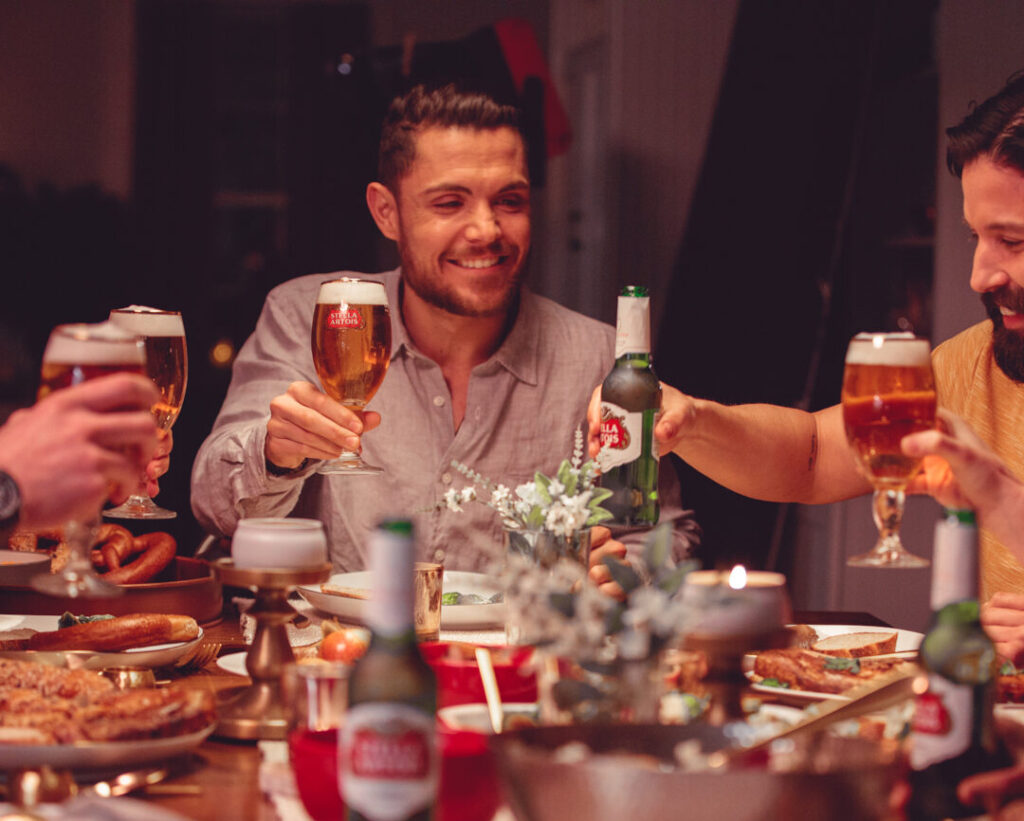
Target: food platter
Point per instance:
(453, 616)
(907, 644)
(99, 754)
(156, 655)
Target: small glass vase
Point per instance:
(545, 547)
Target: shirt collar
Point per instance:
(517, 354)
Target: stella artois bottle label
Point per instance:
(388, 765)
(941, 723)
(621, 436)
(347, 318)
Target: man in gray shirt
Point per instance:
(483, 371)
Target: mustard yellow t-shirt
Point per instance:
(970, 383)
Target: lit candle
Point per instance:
(740, 603)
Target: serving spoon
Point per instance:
(491, 693)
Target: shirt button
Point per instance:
(446, 478)
(439, 401)
(439, 555)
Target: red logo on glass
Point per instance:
(346, 318)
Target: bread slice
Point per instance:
(808, 670)
(856, 645)
(345, 592)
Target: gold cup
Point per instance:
(427, 590)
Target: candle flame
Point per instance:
(738, 577)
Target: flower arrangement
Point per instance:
(562, 504)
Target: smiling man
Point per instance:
(483, 371)
(783, 454)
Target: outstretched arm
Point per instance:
(763, 451)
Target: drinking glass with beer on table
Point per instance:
(888, 392)
(351, 341)
(74, 354)
(167, 365)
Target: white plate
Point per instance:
(155, 655)
(907, 643)
(97, 754)
(475, 717)
(233, 663)
(453, 616)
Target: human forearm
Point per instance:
(764, 451)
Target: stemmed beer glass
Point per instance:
(167, 365)
(888, 392)
(75, 353)
(351, 339)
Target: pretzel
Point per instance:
(113, 545)
(157, 551)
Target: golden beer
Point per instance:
(888, 392)
(76, 353)
(166, 355)
(351, 340)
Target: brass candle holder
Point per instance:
(258, 711)
(726, 679)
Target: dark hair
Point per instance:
(994, 128)
(445, 106)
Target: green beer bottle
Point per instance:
(630, 401)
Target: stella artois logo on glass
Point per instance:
(346, 318)
(931, 715)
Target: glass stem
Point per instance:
(80, 536)
(888, 512)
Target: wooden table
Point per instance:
(222, 778)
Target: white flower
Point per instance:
(453, 500)
(555, 489)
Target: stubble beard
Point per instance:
(1007, 345)
(447, 299)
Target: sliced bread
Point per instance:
(856, 645)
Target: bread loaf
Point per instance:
(856, 645)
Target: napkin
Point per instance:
(94, 808)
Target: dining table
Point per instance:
(226, 778)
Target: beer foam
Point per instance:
(102, 343)
(145, 321)
(354, 291)
(901, 349)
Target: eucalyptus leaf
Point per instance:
(613, 623)
(672, 581)
(543, 482)
(566, 478)
(535, 519)
(658, 547)
(598, 516)
(598, 495)
(564, 603)
(625, 575)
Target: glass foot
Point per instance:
(139, 507)
(349, 464)
(75, 585)
(887, 557)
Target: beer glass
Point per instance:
(73, 354)
(167, 365)
(351, 339)
(888, 392)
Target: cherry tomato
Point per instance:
(343, 645)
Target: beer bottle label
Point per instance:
(622, 436)
(942, 722)
(388, 763)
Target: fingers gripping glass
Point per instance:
(888, 392)
(351, 341)
(75, 353)
(167, 365)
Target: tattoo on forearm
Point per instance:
(814, 452)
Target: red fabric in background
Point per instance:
(525, 59)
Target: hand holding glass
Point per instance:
(75, 353)
(888, 392)
(351, 340)
(167, 366)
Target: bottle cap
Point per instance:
(963, 515)
(634, 290)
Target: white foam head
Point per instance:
(353, 291)
(903, 349)
(102, 343)
(145, 321)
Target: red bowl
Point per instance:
(469, 788)
(458, 678)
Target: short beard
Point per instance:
(448, 301)
(1007, 346)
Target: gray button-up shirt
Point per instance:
(523, 406)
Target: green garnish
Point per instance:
(851, 666)
(1007, 669)
(774, 682)
(449, 598)
(70, 619)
